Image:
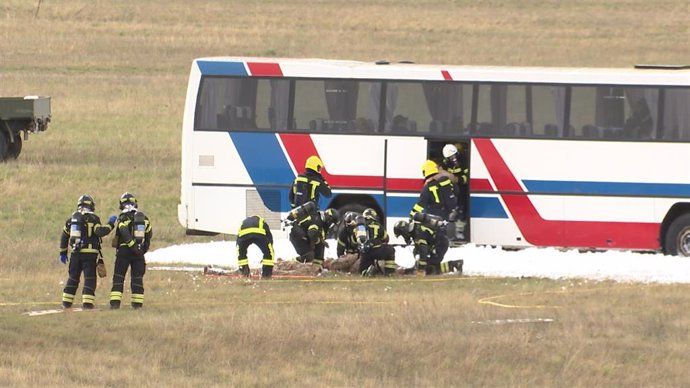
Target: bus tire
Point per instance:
(677, 239)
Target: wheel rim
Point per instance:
(684, 242)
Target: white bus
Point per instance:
(562, 157)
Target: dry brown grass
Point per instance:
(117, 72)
(198, 330)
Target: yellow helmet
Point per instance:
(314, 163)
(429, 168)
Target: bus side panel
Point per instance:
(582, 193)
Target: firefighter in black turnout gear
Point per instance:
(454, 163)
(82, 232)
(309, 229)
(310, 185)
(429, 250)
(438, 195)
(370, 238)
(255, 230)
(132, 240)
(347, 243)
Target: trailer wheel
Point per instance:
(4, 147)
(677, 239)
(14, 149)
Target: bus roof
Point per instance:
(330, 68)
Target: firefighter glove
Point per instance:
(112, 220)
(453, 215)
(100, 269)
(63, 258)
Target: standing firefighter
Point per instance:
(454, 163)
(255, 230)
(310, 185)
(438, 196)
(132, 240)
(83, 232)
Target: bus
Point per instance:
(558, 157)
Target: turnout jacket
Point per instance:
(438, 197)
(125, 232)
(91, 243)
(308, 187)
(254, 225)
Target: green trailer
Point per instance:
(20, 116)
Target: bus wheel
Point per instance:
(677, 239)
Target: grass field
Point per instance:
(117, 75)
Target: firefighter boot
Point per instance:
(244, 270)
(266, 272)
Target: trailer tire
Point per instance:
(677, 239)
(4, 147)
(14, 149)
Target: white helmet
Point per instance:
(449, 150)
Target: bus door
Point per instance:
(442, 152)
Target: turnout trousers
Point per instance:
(266, 248)
(124, 259)
(78, 263)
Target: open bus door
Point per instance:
(435, 153)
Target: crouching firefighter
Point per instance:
(372, 241)
(310, 228)
(255, 230)
(132, 240)
(83, 232)
(427, 232)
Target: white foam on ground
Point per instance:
(479, 261)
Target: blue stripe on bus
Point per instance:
(608, 188)
(221, 68)
(486, 207)
(265, 161)
(481, 207)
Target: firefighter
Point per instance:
(422, 231)
(454, 164)
(132, 241)
(372, 241)
(438, 196)
(309, 231)
(83, 232)
(310, 185)
(255, 230)
(347, 243)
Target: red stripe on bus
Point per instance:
(265, 69)
(299, 147)
(541, 232)
(480, 185)
(446, 75)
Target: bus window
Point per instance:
(408, 107)
(676, 114)
(333, 106)
(226, 103)
(446, 107)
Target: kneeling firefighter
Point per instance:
(132, 240)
